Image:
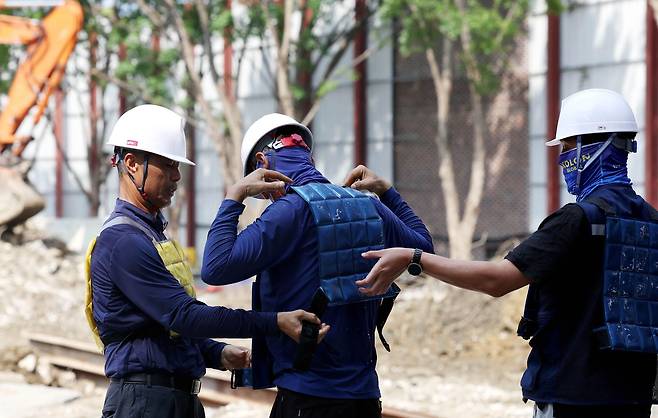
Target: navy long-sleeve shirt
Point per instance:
(136, 301)
(281, 247)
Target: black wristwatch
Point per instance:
(415, 268)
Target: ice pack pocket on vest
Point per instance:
(630, 286)
(348, 225)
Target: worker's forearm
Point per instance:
(493, 278)
(197, 320)
(220, 264)
(236, 192)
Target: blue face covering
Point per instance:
(296, 163)
(587, 167)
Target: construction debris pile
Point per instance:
(42, 290)
(453, 324)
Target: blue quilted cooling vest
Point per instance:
(630, 280)
(348, 224)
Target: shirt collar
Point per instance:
(156, 221)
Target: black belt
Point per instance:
(150, 332)
(186, 384)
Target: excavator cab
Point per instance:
(49, 44)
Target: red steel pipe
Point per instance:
(651, 110)
(360, 85)
(93, 118)
(228, 57)
(552, 112)
(122, 96)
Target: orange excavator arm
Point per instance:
(49, 45)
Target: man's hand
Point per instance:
(261, 181)
(290, 323)
(235, 357)
(362, 178)
(392, 262)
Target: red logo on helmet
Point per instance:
(132, 142)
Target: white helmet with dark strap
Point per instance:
(257, 137)
(153, 129)
(593, 111)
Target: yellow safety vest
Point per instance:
(170, 252)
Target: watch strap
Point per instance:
(416, 257)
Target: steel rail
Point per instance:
(84, 360)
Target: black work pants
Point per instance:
(293, 404)
(139, 400)
(592, 411)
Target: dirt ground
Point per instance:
(454, 353)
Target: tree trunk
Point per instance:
(304, 76)
(458, 237)
(478, 172)
(174, 212)
(476, 186)
(227, 148)
(284, 94)
(460, 226)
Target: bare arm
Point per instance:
(493, 278)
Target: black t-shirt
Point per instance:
(554, 246)
(564, 264)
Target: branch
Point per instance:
(440, 74)
(315, 107)
(155, 17)
(227, 150)
(343, 38)
(38, 141)
(500, 58)
(207, 46)
(478, 173)
(238, 69)
(97, 10)
(442, 79)
(268, 67)
(506, 22)
(304, 9)
(231, 111)
(347, 37)
(283, 50)
(465, 36)
(143, 94)
(189, 60)
(106, 70)
(133, 88)
(76, 177)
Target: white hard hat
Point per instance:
(593, 111)
(264, 125)
(154, 129)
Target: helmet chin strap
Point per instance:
(140, 189)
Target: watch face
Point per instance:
(414, 269)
